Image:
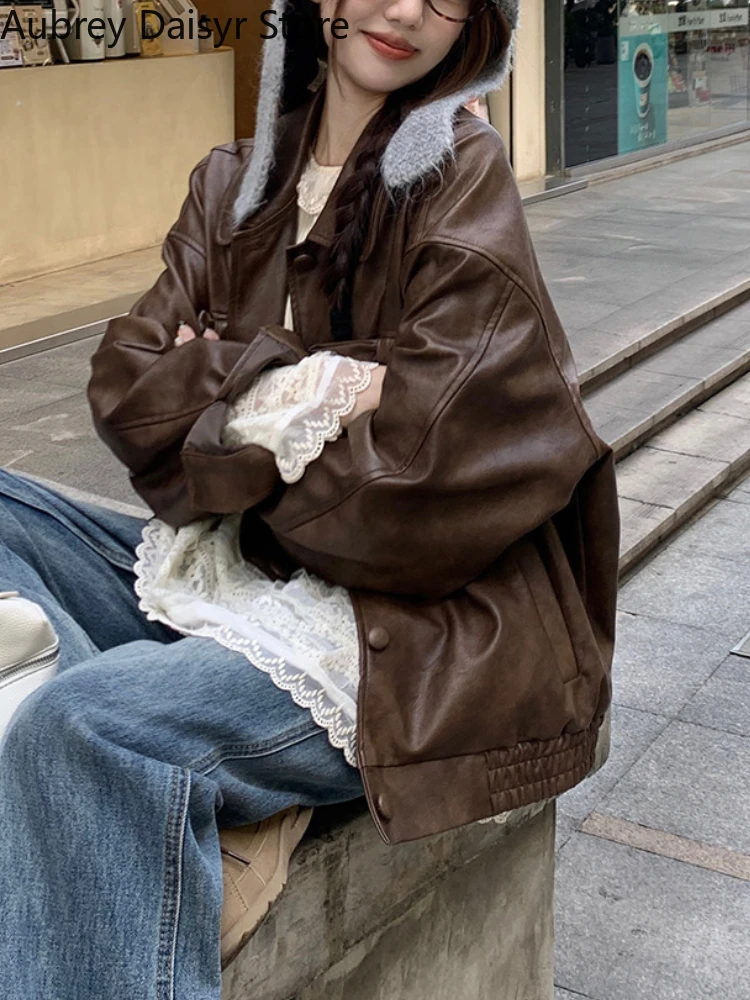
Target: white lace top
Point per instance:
(302, 633)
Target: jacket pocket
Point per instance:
(543, 580)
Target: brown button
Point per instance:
(305, 262)
(378, 637)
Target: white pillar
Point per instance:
(528, 94)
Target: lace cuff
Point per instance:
(294, 410)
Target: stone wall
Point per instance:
(466, 914)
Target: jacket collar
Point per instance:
(297, 131)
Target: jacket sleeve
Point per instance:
(478, 439)
(160, 408)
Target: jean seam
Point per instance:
(238, 751)
(179, 798)
(61, 519)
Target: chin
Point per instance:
(375, 83)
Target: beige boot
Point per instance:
(255, 863)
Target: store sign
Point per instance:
(730, 18)
(695, 20)
(709, 20)
(642, 91)
(643, 24)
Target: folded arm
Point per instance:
(478, 439)
(295, 410)
(160, 407)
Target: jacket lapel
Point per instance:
(260, 245)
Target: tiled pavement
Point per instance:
(653, 901)
(627, 256)
(653, 893)
(653, 880)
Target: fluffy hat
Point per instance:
(420, 144)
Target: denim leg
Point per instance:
(114, 779)
(76, 560)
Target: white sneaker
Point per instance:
(29, 651)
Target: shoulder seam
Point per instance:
(517, 282)
(480, 251)
(574, 397)
(188, 241)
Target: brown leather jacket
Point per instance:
(473, 515)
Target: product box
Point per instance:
(10, 47)
(35, 50)
(149, 27)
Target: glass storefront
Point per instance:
(639, 73)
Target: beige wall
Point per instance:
(95, 157)
(498, 102)
(247, 52)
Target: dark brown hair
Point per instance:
(482, 42)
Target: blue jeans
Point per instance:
(116, 775)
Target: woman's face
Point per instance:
(390, 43)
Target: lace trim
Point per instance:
(326, 426)
(157, 540)
(315, 186)
(153, 554)
(294, 410)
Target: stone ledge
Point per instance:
(467, 913)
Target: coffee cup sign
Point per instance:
(642, 91)
(643, 69)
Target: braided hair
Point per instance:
(352, 222)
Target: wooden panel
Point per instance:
(247, 51)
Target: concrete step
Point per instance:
(661, 387)
(613, 351)
(666, 482)
(54, 309)
(678, 419)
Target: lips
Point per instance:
(390, 46)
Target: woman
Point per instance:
(384, 553)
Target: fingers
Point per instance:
(186, 333)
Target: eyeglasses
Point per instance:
(453, 10)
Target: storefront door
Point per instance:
(637, 74)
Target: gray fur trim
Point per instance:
(421, 144)
(250, 195)
(424, 140)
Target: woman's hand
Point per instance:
(369, 398)
(186, 333)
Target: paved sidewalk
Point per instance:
(627, 256)
(653, 886)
